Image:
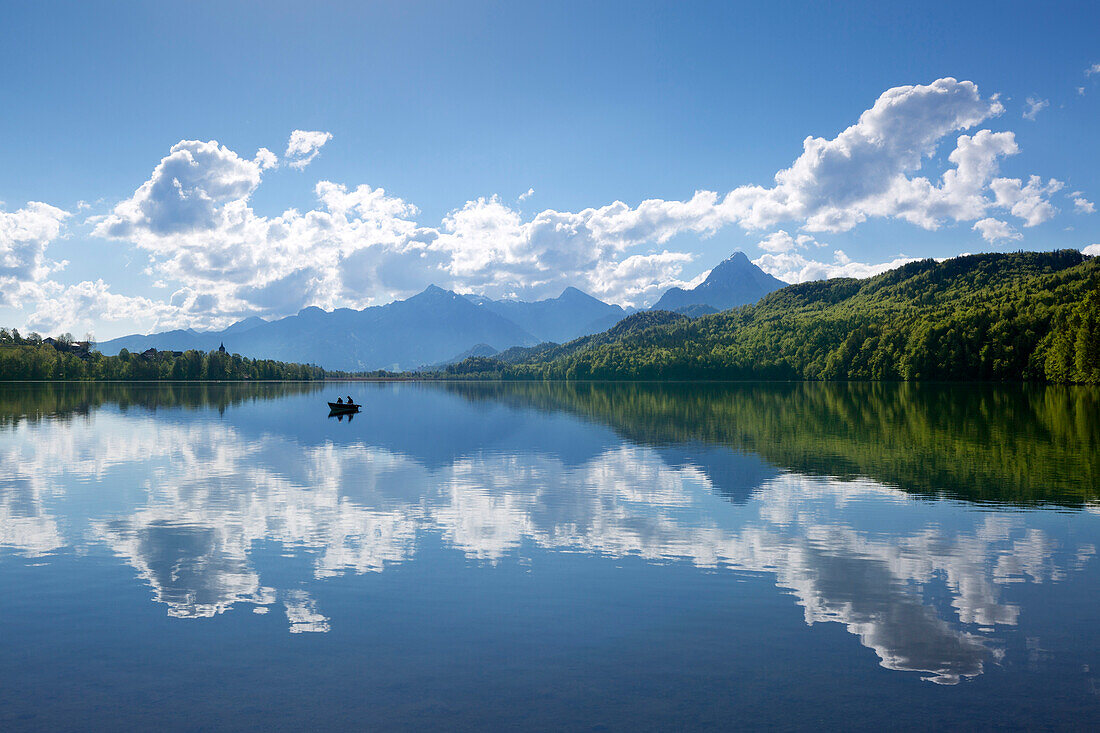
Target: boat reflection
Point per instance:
(341, 414)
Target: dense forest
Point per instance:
(974, 442)
(1025, 316)
(35, 358)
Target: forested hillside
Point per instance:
(994, 317)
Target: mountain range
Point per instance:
(439, 326)
(570, 315)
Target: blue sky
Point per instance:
(457, 110)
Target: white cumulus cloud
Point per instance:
(266, 159)
(303, 147)
(863, 172)
(194, 220)
(79, 308)
(1082, 205)
(994, 229)
(794, 267)
(780, 242)
(24, 236)
(189, 191)
(490, 247)
(1030, 201)
(638, 278)
(1034, 106)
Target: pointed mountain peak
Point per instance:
(737, 260)
(734, 281)
(434, 292)
(572, 293)
(738, 265)
(246, 324)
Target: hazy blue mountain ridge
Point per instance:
(438, 327)
(572, 314)
(427, 328)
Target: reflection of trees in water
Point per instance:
(982, 442)
(1001, 443)
(65, 400)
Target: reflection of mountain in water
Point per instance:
(732, 474)
(499, 481)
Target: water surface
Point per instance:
(548, 556)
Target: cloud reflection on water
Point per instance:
(852, 552)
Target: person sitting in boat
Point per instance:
(350, 400)
(339, 401)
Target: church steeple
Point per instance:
(222, 348)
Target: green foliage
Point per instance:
(1026, 316)
(475, 365)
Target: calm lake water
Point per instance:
(485, 556)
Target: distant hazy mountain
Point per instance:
(570, 315)
(435, 327)
(180, 340)
(733, 282)
(245, 325)
(427, 328)
(474, 351)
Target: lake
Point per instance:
(547, 556)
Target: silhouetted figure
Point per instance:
(350, 400)
(339, 401)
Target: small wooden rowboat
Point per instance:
(343, 407)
